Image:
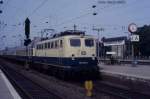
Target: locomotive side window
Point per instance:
(61, 43)
(89, 42)
(75, 42)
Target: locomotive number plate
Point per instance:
(83, 62)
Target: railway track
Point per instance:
(101, 89)
(119, 92)
(104, 88)
(25, 87)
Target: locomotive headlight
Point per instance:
(93, 56)
(73, 57)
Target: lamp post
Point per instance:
(98, 48)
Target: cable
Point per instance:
(78, 17)
(6, 4)
(38, 7)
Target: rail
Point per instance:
(25, 87)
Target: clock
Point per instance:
(132, 27)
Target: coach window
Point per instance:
(89, 42)
(56, 44)
(45, 45)
(52, 44)
(41, 46)
(48, 44)
(37, 46)
(75, 42)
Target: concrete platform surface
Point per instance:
(139, 71)
(7, 91)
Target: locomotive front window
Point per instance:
(75, 42)
(89, 42)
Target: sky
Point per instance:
(63, 14)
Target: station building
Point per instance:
(118, 47)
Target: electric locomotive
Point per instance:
(68, 53)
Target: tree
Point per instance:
(144, 44)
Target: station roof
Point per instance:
(114, 39)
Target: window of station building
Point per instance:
(89, 42)
(75, 42)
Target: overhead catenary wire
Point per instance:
(38, 7)
(100, 10)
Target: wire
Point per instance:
(6, 4)
(38, 7)
(78, 17)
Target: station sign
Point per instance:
(134, 38)
(110, 53)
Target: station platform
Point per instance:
(7, 91)
(140, 72)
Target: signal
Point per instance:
(27, 42)
(27, 28)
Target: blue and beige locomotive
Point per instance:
(70, 53)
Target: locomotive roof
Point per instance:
(69, 32)
(66, 33)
